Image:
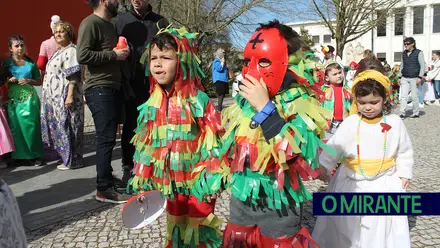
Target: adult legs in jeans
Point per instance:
(105, 105)
(421, 96)
(407, 84)
(437, 89)
(130, 124)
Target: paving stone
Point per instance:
(102, 227)
(104, 244)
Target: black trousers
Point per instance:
(105, 104)
(130, 124)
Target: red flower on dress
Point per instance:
(385, 127)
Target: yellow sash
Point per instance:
(370, 167)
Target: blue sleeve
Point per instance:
(217, 65)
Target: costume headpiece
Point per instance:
(331, 62)
(327, 49)
(373, 75)
(53, 21)
(267, 45)
(356, 66)
(188, 68)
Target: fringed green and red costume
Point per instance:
(395, 87)
(252, 167)
(329, 99)
(177, 131)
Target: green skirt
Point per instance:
(24, 121)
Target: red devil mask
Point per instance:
(266, 57)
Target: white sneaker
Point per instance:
(436, 103)
(421, 105)
(62, 167)
(428, 103)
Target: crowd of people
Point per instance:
(289, 123)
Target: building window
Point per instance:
(327, 38)
(382, 56)
(315, 38)
(397, 56)
(418, 19)
(381, 23)
(399, 21)
(436, 19)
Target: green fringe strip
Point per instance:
(246, 185)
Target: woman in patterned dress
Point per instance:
(62, 116)
(24, 104)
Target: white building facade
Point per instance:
(419, 19)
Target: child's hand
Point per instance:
(212, 197)
(322, 173)
(405, 183)
(23, 81)
(255, 92)
(13, 80)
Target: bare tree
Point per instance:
(217, 22)
(348, 20)
(210, 17)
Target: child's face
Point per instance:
(353, 68)
(18, 48)
(370, 106)
(435, 56)
(163, 65)
(334, 76)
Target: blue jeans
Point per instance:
(421, 98)
(105, 104)
(436, 89)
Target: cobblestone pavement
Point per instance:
(102, 226)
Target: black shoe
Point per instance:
(414, 116)
(127, 175)
(119, 184)
(402, 116)
(39, 162)
(112, 196)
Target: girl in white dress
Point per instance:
(378, 157)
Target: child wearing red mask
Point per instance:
(271, 143)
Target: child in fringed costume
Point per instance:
(378, 157)
(394, 75)
(337, 96)
(178, 128)
(271, 143)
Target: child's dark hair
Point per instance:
(371, 63)
(163, 41)
(17, 38)
(292, 38)
(437, 52)
(371, 86)
(331, 67)
(14, 38)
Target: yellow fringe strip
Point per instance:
(307, 108)
(193, 227)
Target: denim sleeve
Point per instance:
(272, 126)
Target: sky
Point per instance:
(263, 17)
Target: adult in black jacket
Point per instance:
(138, 27)
(412, 70)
